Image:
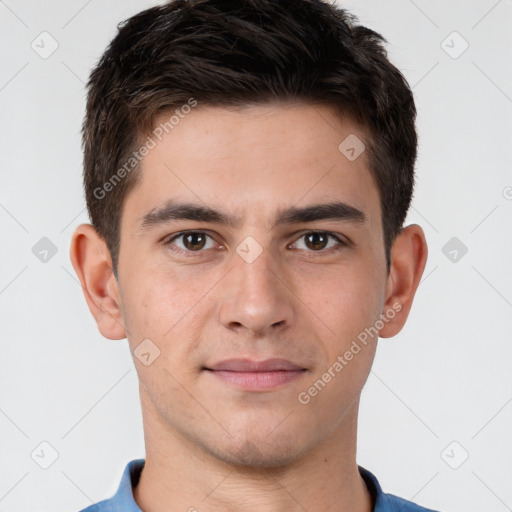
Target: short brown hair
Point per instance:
(234, 53)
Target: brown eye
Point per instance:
(316, 241)
(320, 242)
(194, 241)
(190, 242)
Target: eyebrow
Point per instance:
(176, 210)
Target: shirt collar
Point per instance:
(123, 499)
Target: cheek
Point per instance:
(347, 299)
(350, 304)
(355, 307)
(171, 310)
(155, 300)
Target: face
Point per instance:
(259, 278)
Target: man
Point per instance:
(248, 169)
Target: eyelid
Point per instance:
(172, 236)
(167, 240)
(342, 241)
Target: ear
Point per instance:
(408, 259)
(92, 263)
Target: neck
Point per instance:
(181, 476)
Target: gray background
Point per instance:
(439, 392)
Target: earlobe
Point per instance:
(408, 259)
(92, 263)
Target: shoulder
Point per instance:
(102, 506)
(397, 504)
(384, 502)
(123, 500)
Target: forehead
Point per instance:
(255, 161)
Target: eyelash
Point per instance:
(168, 243)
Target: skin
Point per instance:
(210, 445)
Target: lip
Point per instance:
(248, 365)
(251, 375)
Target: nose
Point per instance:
(256, 296)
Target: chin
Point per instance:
(258, 451)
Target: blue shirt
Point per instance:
(123, 500)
